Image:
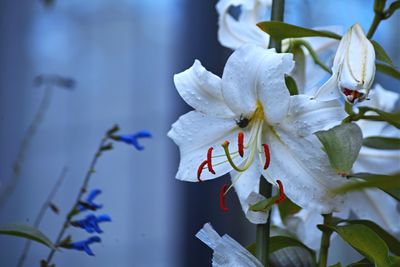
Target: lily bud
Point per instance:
(353, 68)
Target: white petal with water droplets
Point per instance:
(194, 133)
(255, 74)
(307, 116)
(202, 90)
(304, 170)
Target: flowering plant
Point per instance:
(274, 123)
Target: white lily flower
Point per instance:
(353, 68)
(251, 106)
(233, 33)
(227, 252)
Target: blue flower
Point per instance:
(84, 244)
(88, 204)
(132, 139)
(91, 223)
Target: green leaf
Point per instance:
(381, 53)
(27, 232)
(362, 263)
(388, 183)
(392, 118)
(280, 242)
(391, 241)
(291, 85)
(342, 144)
(365, 241)
(287, 208)
(380, 142)
(392, 8)
(263, 205)
(336, 265)
(280, 30)
(388, 70)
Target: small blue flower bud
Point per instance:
(88, 204)
(132, 139)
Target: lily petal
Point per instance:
(245, 184)
(377, 161)
(307, 116)
(377, 206)
(227, 252)
(304, 170)
(195, 133)
(233, 33)
(252, 73)
(329, 90)
(202, 90)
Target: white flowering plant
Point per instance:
(308, 157)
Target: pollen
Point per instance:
(241, 144)
(267, 156)
(222, 205)
(281, 196)
(200, 170)
(209, 162)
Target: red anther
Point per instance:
(222, 198)
(267, 156)
(240, 143)
(209, 163)
(281, 197)
(200, 170)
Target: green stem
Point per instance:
(313, 55)
(325, 242)
(379, 6)
(374, 25)
(262, 230)
(278, 7)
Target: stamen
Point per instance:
(240, 144)
(267, 156)
(281, 197)
(225, 145)
(209, 163)
(200, 170)
(222, 198)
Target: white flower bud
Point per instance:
(353, 68)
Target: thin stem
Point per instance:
(25, 144)
(325, 242)
(262, 230)
(278, 7)
(313, 55)
(41, 214)
(374, 25)
(379, 6)
(82, 191)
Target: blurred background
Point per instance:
(122, 55)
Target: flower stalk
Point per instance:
(102, 147)
(325, 241)
(378, 17)
(263, 230)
